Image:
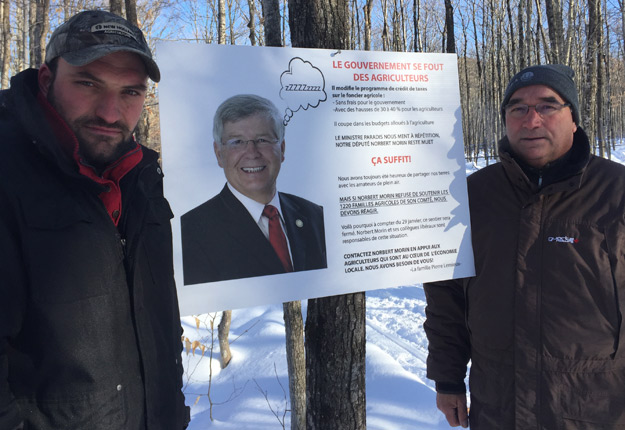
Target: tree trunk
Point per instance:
(224, 326)
(511, 38)
(590, 87)
(568, 43)
(556, 29)
(115, 6)
(67, 12)
(40, 30)
(521, 32)
(22, 30)
(385, 42)
(223, 330)
(601, 88)
(32, 20)
(295, 357)
(271, 13)
(335, 326)
(367, 12)
(142, 131)
(621, 4)
(131, 12)
(319, 23)
(252, 22)
(449, 25)
(221, 22)
(292, 311)
(335, 363)
(416, 17)
(5, 12)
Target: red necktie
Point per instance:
(277, 238)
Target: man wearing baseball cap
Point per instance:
(90, 334)
(542, 320)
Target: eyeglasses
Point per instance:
(519, 110)
(261, 142)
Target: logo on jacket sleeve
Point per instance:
(562, 239)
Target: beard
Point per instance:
(98, 151)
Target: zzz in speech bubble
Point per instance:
(303, 86)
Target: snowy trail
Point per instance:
(398, 395)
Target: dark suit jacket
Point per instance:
(221, 241)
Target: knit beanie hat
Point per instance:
(556, 76)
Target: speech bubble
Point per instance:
(303, 86)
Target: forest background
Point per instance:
(492, 38)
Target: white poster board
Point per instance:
(375, 138)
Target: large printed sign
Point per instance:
(370, 172)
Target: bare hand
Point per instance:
(454, 406)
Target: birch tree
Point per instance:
(5, 13)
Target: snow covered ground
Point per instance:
(251, 393)
(398, 394)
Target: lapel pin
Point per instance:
(299, 223)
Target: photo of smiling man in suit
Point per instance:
(250, 229)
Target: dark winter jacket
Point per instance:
(90, 333)
(542, 320)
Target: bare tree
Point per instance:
(292, 311)
(449, 27)
(223, 330)
(5, 13)
(621, 5)
(335, 326)
(591, 87)
(115, 6)
(556, 30)
(221, 19)
(41, 26)
(385, 32)
(335, 363)
(600, 131)
(367, 12)
(511, 37)
(416, 18)
(251, 24)
(296, 361)
(226, 317)
(271, 14)
(522, 59)
(131, 11)
(20, 62)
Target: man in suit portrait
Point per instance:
(249, 228)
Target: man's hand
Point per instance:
(454, 406)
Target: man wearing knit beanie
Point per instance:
(541, 322)
(541, 112)
(555, 76)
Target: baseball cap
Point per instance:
(90, 35)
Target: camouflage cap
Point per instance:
(90, 35)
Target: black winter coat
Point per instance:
(542, 320)
(90, 333)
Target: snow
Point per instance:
(398, 394)
(252, 392)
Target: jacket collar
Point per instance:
(21, 101)
(552, 177)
